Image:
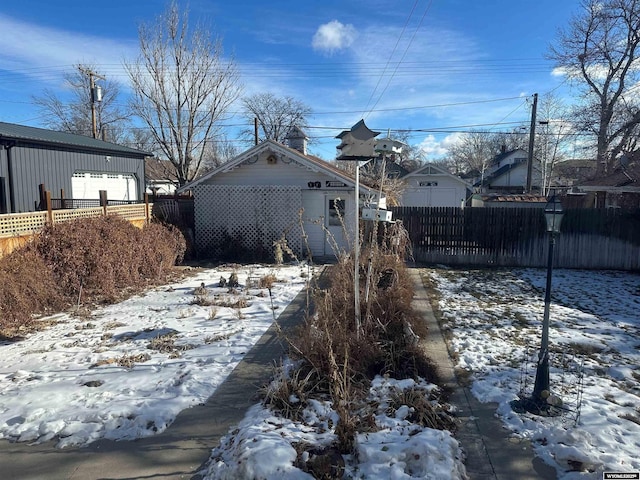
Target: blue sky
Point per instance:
(434, 67)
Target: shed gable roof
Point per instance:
(14, 132)
(433, 169)
(309, 161)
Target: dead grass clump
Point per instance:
(267, 281)
(167, 344)
(288, 394)
(425, 408)
(126, 361)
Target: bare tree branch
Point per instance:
(599, 54)
(183, 87)
(276, 115)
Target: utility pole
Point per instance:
(96, 95)
(532, 136)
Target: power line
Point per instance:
(403, 55)
(391, 55)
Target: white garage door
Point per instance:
(119, 186)
(431, 197)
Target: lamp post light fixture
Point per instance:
(541, 399)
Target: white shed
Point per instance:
(253, 200)
(433, 186)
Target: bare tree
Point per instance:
(474, 150)
(411, 157)
(74, 115)
(182, 88)
(275, 115)
(218, 153)
(598, 52)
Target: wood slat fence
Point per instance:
(18, 228)
(589, 238)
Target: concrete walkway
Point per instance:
(177, 453)
(492, 453)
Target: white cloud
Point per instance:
(333, 36)
(432, 147)
(42, 52)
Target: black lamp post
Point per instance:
(541, 398)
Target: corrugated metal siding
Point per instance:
(33, 165)
(4, 182)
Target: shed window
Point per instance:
(336, 210)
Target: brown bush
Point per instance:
(102, 255)
(90, 259)
(27, 287)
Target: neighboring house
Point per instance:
(507, 173)
(433, 186)
(620, 189)
(78, 165)
(160, 177)
(270, 192)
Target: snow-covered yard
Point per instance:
(125, 371)
(494, 320)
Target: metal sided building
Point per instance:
(80, 166)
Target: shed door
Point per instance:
(119, 186)
(335, 221)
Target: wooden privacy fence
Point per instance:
(597, 239)
(17, 228)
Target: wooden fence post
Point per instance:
(42, 192)
(146, 207)
(103, 201)
(62, 205)
(47, 201)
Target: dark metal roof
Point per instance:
(11, 131)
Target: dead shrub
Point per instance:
(102, 255)
(267, 281)
(344, 360)
(89, 259)
(425, 408)
(27, 288)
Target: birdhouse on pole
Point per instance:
(388, 146)
(357, 143)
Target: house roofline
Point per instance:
(442, 171)
(309, 160)
(42, 136)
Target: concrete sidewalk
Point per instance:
(177, 453)
(492, 453)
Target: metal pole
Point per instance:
(532, 136)
(92, 86)
(356, 254)
(542, 371)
